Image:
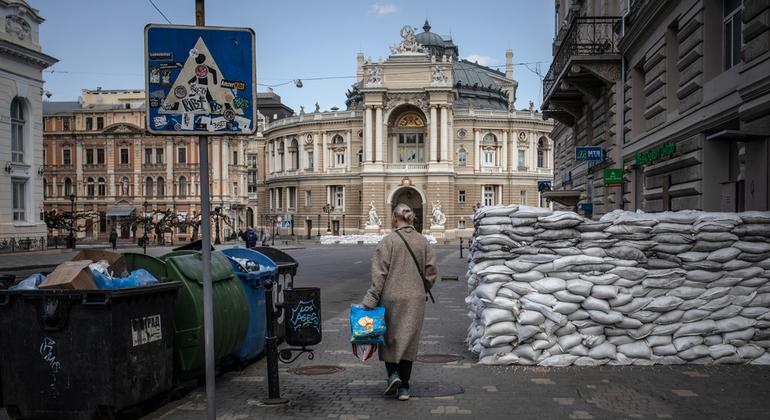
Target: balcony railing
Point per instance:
(186, 166)
(153, 166)
(94, 166)
(406, 167)
(491, 170)
(587, 35)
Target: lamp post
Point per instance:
(318, 231)
(71, 237)
(272, 222)
(144, 239)
(217, 241)
(343, 224)
(328, 209)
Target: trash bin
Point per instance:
(154, 266)
(303, 316)
(165, 257)
(253, 286)
(76, 353)
(286, 269)
(231, 311)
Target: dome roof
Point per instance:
(435, 44)
(475, 86)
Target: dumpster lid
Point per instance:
(283, 260)
(192, 246)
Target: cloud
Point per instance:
(484, 60)
(383, 8)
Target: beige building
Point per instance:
(675, 92)
(21, 132)
(421, 127)
(99, 160)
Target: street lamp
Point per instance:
(216, 234)
(318, 228)
(144, 240)
(343, 224)
(328, 209)
(71, 237)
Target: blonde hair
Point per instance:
(403, 213)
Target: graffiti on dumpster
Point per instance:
(48, 351)
(305, 315)
(146, 330)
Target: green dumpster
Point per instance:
(165, 257)
(153, 265)
(231, 311)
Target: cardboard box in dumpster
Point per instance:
(116, 261)
(70, 275)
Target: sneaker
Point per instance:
(393, 383)
(403, 394)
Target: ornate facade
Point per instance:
(422, 128)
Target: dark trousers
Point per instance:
(404, 370)
(114, 244)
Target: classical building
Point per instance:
(422, 127)
(676, 93)
(99, 159)
(21, 133)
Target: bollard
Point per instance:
(461, 247)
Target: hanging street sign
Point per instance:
(613, 177)
(589, 153)
(200, 80)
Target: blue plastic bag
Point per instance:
(30, 283)
(137, 278)
(366, 323)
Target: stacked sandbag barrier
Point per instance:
(555, 289)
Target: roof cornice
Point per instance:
(31, 56)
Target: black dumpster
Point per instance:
(286, 269)
(302, 308)
(76, 354)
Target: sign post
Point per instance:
(201, 81)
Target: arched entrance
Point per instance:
(412, 198)
(407, 134)
(249, 217)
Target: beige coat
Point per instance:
(396, 284)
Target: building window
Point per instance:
(89, 156)
(17, 131)
(308, 198)
(292, 191)
(541, 145)
(461, 224)
(159, 155)
(489, 195)
(100, 156)
(235, 189)
(68, 187)
(462, 157)
(672, 71)
(102, 222)
(733, 36)
(148, 187)
(522, 159)
(360, 157)
(489, 158)
(99, 123)
(90, 187)
(123, 156)
(270, 194)
(411, 148)
(46, 194)
(340, 159)
(279, 198)
(148, 156)
(102, 188)
(65, 122)
(89, 123)
(181, 155)
(310, 159)
(161, 187)
(337, 196)
(235, 157)
(522, 197)
(182, 187)
(19, 206)
(461, 196)
(66, 156)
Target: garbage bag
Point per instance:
(366, 322)
(30, 283)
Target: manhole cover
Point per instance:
(434, 389)
(315, 370)
(438, 358)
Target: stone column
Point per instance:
(444, 135)
(325, 151)
(476, 149)
(451, 137)
(504, 157)
(79, 160)
(285, 156)
(433, 134)
(215, 164)
(378, 133)
(368, 134)
(170, 159)
(349, 151)
(316, 152)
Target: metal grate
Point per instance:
(434, 389)
(316, 370)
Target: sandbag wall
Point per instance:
(555, 289)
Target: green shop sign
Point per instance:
(613, 176)
(656, 154)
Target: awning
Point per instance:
(566, 197)
(120, 211)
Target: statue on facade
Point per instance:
(374, 77)
(408, 44)
(531, 106)
(317, 107)
(438, 218)
(301, 109)
(374, 219)
(439, 78)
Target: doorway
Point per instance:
(309, 228)
(413, 199)
(336, 227)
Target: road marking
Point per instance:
(684, 393)
(358, 262)
(542, 381)
(580, 415)
(564, 401)
(694, 374)
(489, 388)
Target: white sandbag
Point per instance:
(725, 282)
(626, 253)
(663, 304)
(592, 329)
(629, 323)
(592, 303)
(701, 328)
(498, 210)
(717, 304)
(495, 278)
(685, 292)
(750, 351)
(753, 247)
(693, 315)
(530, 318)
(644, 316)
(717, 236)
(738, 338)
(637, 349)
(573, 260)
(667, 360)
(523, 221)
(526, 351)
(694, 353)
(502, 340)
(754, 312)
(734, 324)
(663, 283)
(520, 287)
(501, 329)
(620, 339)
(600, 279)
(761, 360)
(755, 217)
(671, 228)
(658, 340)
(703, 276)
(621, 299)
(579, 287)
(520, 266)
(578, 315)
(490, 351)
(730, 311)
(549, 285)
(693, 256)
(595, 252)
(754, 282)
(508, 293)
(487, 290)
(530, 211)
(692, 304)
(541, 298)
(715, 293)
(670, 317)
(633, 306)
(722, 350)
(543, 344)
(665, 350)
(672, 249)
(607, 318)
(564, 275)
(558, 360)
(684, 343)
(674, 238)
(528, 276)
(566, 308)
(603, 351)
(495, 220)
(567, 297)
(567, 342)
(592, 226)
(543, 309)
(724, 255)
(567, 329)
(604, 292)
(525, 332)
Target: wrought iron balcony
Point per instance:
(588, 39)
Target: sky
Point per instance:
(100, 43)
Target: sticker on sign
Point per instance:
(146, 330)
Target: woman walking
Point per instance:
(400, 282)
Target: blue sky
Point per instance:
(100, 42)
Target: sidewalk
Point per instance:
(355, 392)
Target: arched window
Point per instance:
(280, 157)
(462, 157)
(90, 187)
(102, 187)
(182, 187)
(541, 147)
(148, 187)
(161, 187)
(17, 130)
(360, 157)
(338, 140)
(294, 154)
(68, 187)
(124, 186)
(339, 151)
(489, 148)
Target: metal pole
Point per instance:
(461, 247)
(318, 228)
(208, 313)
(273, 383)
